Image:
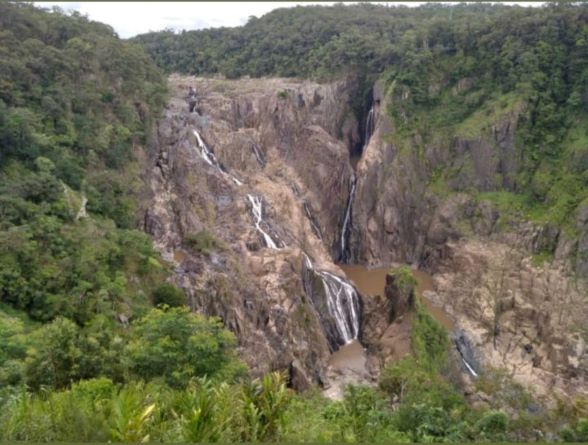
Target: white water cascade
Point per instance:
(347, 219)
(258, 155)
(257, 211)
(342, 304)
(345, 228)
(369, 127)
(210, 159)
(315, 228)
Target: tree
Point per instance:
(169, 295)
(178, 345)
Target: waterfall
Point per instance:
(347, 220)
(315, 228)
(257, 210)
(346, 226)
(211, 160)
(466, 353)
(339, 311)
(369, 127)
(259, 155)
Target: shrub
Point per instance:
(169, 295)
(178, 345)
(203, 242)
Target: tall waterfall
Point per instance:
(211, 160)
(258, 155)
(313, 224)
(257, 211)
(346, 226)
(369, 127)
(337, 303)
(347, 220)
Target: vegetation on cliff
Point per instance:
(95, 346)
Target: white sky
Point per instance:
(131, 18)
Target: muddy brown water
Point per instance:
(371, 282)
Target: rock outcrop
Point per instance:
(527, 319)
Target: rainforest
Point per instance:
(347, 223)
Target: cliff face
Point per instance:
(519, 316)
(284, 144)
(247, 199)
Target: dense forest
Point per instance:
(97, 346)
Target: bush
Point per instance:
(170, 295)
(492, 425)
(203, 242)
(178, 345)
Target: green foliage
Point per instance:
(492, 425)
(404, 278)
(12, 349)
(62, 143)
(99, 411)
(429, 340)
(178, 345)
(203, 242)
(577, 434)
(169, 295)
(263, 408)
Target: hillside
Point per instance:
(368, 224)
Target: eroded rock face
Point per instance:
(396, 216)
(285, 143)
(523, 318)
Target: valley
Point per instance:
(351, 223)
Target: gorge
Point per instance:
(337, 224)
(306, 201)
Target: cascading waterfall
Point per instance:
(347, 220)
(346, 227)
(341, 318)
(259, 155)
(257, 211)
(211, 160)
(315, 228)
(466, 353)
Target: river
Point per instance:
(371, 282)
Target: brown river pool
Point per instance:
(371, 282)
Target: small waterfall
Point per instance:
(315, 228)
(211, 160)
(259, 155)
(257, 210)
(466, 353)
(369, 127)
(339, 310)
(347, 220)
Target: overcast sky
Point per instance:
(132, 18)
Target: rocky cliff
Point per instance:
(524, 317)
(248, 194)
(281, 145)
